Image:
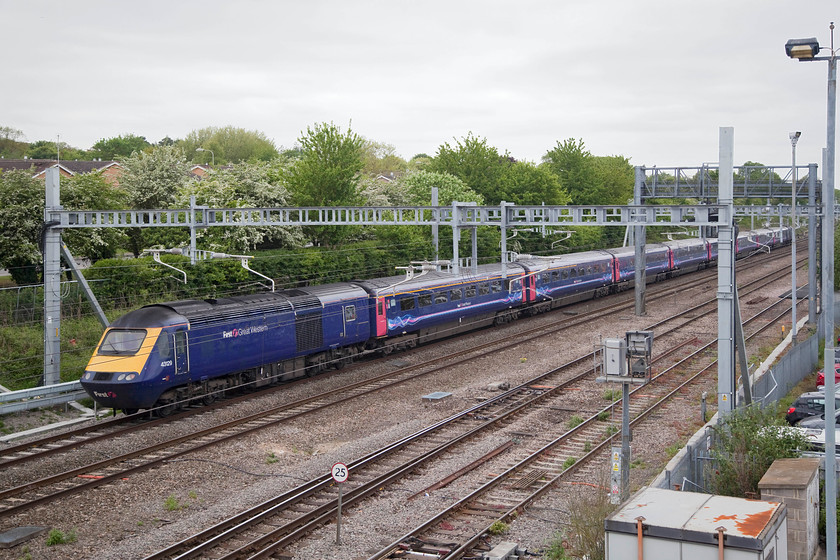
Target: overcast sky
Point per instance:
(649, 80)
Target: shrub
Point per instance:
(557, 548)
(57, 536)
(498, 528)
(171, 503)
(745, 446)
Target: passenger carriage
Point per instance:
(431, 305)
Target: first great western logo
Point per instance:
(235, 333)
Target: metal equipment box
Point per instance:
(687, 526)
(615, 357)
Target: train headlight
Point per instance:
(130, 376)
(88, 375)
(121, 377)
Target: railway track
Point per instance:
(103, 430)
(462, 529)
(39, 492)
(270, 527)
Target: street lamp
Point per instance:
(806, 50)
(794, 138)
(212, 155)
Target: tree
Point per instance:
(91, 191)
(525, 183)
(21, 219)
(418, 186)
(327, 173)
(615, 179)
(12, 145)
(119, 147)
(242, 185)
(151, 180)
(48, 149)
(228, 145)
(476, 163)
(381, 159)
(572, 163)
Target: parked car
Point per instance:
(821, 378)
(818, 422)
(816, 439)
(808, 404)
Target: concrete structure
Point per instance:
(657, 523)
(795, 483)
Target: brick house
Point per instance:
(111, 170)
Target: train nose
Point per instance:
(110, 389)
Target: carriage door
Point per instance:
(350, 320)
(381, 320)
(530, 290)
(182, 358)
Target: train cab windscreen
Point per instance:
(122, 342)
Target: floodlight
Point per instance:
(802, 48)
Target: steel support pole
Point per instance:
(52, 282)
(80, 278)
(828, 312)
(625, 442)
(726, 277)
(812, 244)
(639, 235)
(436, 229)
(793, 297)
(503, 244)
(456, 237)
(193, 246)
(474, 239)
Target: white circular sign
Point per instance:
(340, 473)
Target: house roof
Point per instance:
(38, 166)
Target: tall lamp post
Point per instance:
(794, 138)
(212, 155)
(805, 50)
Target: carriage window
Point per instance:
(455, 295)
(350, 313)
(496, 286)
(470, 291)
(554, 275)
(483, 289)
(589, 270)
(581, 272)
(181, 343)
(546, 278)
(379, 309)
(163, 346)
(565, 274)
(424, 300)
(440, 297)
(407, 304)
(573, 273)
